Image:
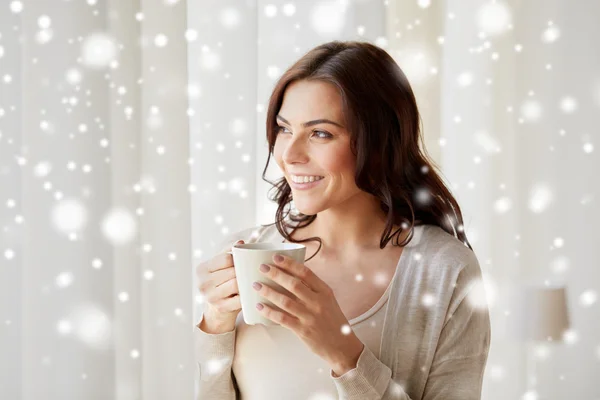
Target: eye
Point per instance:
(323, 134)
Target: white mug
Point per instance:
(247, 258)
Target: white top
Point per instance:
(413, 350)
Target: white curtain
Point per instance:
(509, 96)
(95, 270)
(119, 173)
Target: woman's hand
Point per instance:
(314, 315)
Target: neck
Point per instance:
(356, 225)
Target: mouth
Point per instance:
(305, 185)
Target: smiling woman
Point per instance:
(325, 119)
(388, 322)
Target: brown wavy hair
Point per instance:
(384, 126)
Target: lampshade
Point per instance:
(540, 313)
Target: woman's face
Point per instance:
(320, 149)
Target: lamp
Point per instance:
(541, 315)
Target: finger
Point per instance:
(229, 304)
(293, 284)
(224, 290)
(293, 306)
(209, 281)
(222, 276)
(279, 317)
(301, 271)
(222, 260)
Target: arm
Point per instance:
(460, 358)
(370, 380)
(214, 351)
(459, 361)
(214, 355)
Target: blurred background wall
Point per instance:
(132, 140)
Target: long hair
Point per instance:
(384, 125)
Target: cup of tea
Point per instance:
(247, 258)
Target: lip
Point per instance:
(304, 186)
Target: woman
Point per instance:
(388, 306)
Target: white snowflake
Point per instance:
(428, 300)
(119, 226)
(9, 254)
(570, 337)
(568, 104)
(236, 185)
(97, 263)
(123, 297)
(588, 298)
(530, 395)
(230, 17)
(415, 62)
(64, 327)
(215, 366)
(16, 6)
(289, 9)
(423, 197)
(271, 10)
(560, 265)
(44, 21)
(487, 142)
(209, 60)
(346, 329)
(328, 18)
(161, 40)
(64, 280)
(494, 18)
(98, 51)
(273, 72)
(73, 76)
(465, 79)
(321, 396)
(423, 3)
(497, 372)
(531, 110)
(540, 198)
(92, 326)
(238, 127)
(502, 205)
(69, 215)
(551, 34)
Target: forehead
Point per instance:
(308, 100)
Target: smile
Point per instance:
(305, 186)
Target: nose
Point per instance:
(294, 152)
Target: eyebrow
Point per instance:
(313, 122)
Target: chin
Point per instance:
(307, 209)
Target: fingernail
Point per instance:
(278, 258)
(264, 268)
(256, 285)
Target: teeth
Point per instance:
(306, 179)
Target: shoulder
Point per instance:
(447, 267)
(446, 261)
(436, 246)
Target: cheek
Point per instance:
(339, 163)
(277, 151)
